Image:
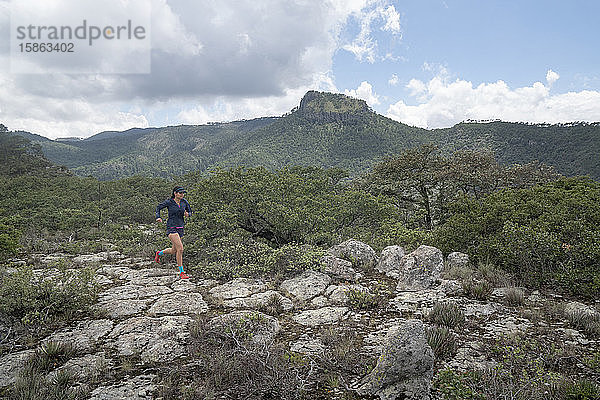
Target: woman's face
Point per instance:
(179, 195)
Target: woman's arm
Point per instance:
(160, 207)
(188, 209)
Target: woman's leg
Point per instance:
(177, 248)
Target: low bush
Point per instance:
(442, 342)
(477, 289)
(514, 296)
(362, 299)
(585, 321)
(34, 301)
(446, 314)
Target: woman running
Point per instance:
(178, 208)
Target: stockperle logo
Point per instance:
(80, 36)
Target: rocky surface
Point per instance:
(145, 317)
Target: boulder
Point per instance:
(338, 268)
(358, 253)
(420, 269)
(307, 285)
(390, 261)
(457, 260)
(11, 364)
(405, 368)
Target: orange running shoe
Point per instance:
(157, 257)
(183, 275)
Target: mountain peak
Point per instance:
(319, 103)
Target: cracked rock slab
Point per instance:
(151, 277)
(11, 364)
(307, 285)
(137, 388)
(259, 300)
(84, 335)
(154, 339)
(321, 316)
(132, 292)
(124, 308)
(179, 303)
(239, 287)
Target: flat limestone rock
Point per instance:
(124, 308)
(179, 303)
(321, 316)
(152, 277)
(84, 335)
(132, 292)
(239, 287)
(154, 339)
(84, 367)
(307, 285)
(11, 364)
(259, 300)
(137, 388)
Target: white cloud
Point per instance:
(207, 57)
(394, 80)
(365, 92)
(551, 77)
(444, 103)
(365, 46)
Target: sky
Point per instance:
(426, 63)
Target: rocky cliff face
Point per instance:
(369, 318)
(325, 107)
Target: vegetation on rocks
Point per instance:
(256, 233)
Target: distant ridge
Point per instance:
(326, 130)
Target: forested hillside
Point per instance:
(325, 130)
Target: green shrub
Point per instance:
(362, 299)
(477, 289)
(446, 314)
(454, 385)
(442, 342)
(578, 390)
(514, 296)
(585, 321)
(35, 301)
(546, 235)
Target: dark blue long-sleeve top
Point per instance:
(176, 212)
